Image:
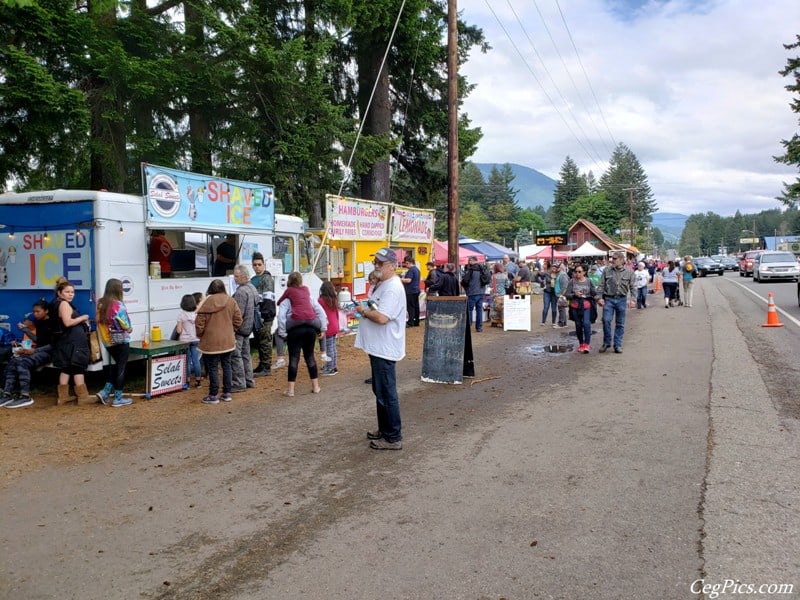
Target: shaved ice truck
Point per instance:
(92, 236)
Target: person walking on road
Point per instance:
(641, 279)
(615, 285)
(688, 273)
(669, 280)
(581, 293)
(382, 335)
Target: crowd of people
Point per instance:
(578, 290)
(217, 327)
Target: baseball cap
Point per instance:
(386, 255)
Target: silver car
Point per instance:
(775, 265)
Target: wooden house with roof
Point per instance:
(585, 231)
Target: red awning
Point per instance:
(547, 253)
(440, 252)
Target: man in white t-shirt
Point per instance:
(382, 335)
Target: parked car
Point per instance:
(705, 266)
(775, 265)
(730, 263)
(746, 262)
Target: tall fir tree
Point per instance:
(569, 187)
(624, 180)
(791, 191)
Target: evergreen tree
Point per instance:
(595, 208)
(690, 239)
(791, 191)
(503, 208)
(569, 187)
(625, 178)
(471, 185)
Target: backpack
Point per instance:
(486, 277)
(266, 306)
(258, 323)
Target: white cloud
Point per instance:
(692, 88)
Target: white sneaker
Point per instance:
(325, 358)
(279, 363)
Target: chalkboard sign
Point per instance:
(447, 349)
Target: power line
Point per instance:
(544, 91)
(585, 74)
(572, 80)
(552, 80)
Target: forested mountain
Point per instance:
(535, 188)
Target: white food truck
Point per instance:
(92, 236)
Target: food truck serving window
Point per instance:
(283, 250)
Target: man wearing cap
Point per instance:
(411, 284)
(382, 335)
(615, 286)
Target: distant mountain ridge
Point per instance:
(670, 224)
(537, 189)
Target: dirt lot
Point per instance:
(46, 434)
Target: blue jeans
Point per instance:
(550, 304)
(614, 308)
(583, 325)
(475, 301)
(384, 386)
(641, 297)
(193, 360)
(212, 365)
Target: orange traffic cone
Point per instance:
(772, 313)
(657, 278)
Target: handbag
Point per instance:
(95, 355)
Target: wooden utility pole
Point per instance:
(452, 137)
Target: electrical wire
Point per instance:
(585, 74)
(597, 158)
(544, 91)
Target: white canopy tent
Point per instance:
(587, 249)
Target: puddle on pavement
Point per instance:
(552, 348)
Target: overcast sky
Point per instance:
(692, 88)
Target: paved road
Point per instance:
(566, 476)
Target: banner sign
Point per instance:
(354, 219)
(412, 225)
(168, 374)
(36, 259)
(180, 198)
(551, 237)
